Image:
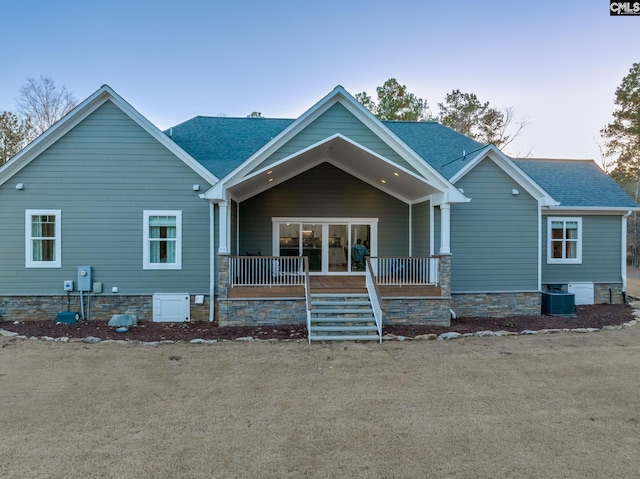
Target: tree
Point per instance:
(622, 135)
(395, 103)
(43, 103)
(14, 135)
(466, 114)
(622, 141)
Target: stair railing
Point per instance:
(307, 295)
(374, 295)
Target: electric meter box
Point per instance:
(84, 278)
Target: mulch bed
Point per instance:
(592, 316)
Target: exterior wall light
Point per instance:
(20, 186)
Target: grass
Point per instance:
(525, 407)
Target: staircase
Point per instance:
(342, 317)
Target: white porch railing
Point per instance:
(267, 271)
(409, 271)
(374, 296)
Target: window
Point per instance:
(43, 239)
(162, 246)
(565, 240)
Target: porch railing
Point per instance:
(374, 296)
(406, 271)
(268, 271)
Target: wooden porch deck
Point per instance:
(330, 284)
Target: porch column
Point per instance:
(445, 228)
(223, 228)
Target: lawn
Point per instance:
(546, 406)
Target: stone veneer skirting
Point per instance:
(97, 307)
(249, 312)
(435, 311)
(497, 305)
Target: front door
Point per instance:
(335, 246)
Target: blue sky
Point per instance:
(556, 63)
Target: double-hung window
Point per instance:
(162, 247)
(43, 239)
(565, 240)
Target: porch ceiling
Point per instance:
(368, 167)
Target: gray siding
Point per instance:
(420, 240)
(102, 175)
(324, 191)
(599, 264)
(337, 119)
(494, 238)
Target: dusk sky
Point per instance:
(556, 63)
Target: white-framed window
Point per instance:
(162, 247)
(564, 243)
(43, 239)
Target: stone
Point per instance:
(198, 341)
(127, 320)
(388, 337)
(584, 330)
(48, 338)
(91, 340)
(149, 343)
(425, 337)
(246, 338)
(450, 335)
(505, 333)
(551, 331)
(528, 332)
(482, 334)
(612, 327)
(7, 334)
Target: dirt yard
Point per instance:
(546, 406)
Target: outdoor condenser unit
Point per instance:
(558, 303)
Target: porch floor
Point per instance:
(330, 284)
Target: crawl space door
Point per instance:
(171, 307)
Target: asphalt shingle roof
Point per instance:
(576, 183)
(221, 144)
(440, 146)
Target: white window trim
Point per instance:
(564, 219)
(146, 264)
(29, 262)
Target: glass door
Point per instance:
(330, 246)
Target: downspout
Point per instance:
(623, 256)
(212, 262)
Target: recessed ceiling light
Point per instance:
(269, 172)
(270, 179)
(384, 181)
(395, 173)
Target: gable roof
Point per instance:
(576, 183)
(82, 111)
(248, 177)
(221, 144)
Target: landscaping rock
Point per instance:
(7, 334)
(92, 340)
(450, 335)
(118, 320)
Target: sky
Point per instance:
(557, 64)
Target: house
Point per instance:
(245, 220)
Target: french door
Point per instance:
(333, 245)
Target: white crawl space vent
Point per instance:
(171, 307)
(583, 292)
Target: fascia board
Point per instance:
(82, 111)
(511, 169)
(588, 210)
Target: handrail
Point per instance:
(307, 295)
(374, 295)
(270, 271)
(407, 270)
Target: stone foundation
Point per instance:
(601, 293)
(416, 311)
(96, 307)
(251, 312)
(497, 305)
